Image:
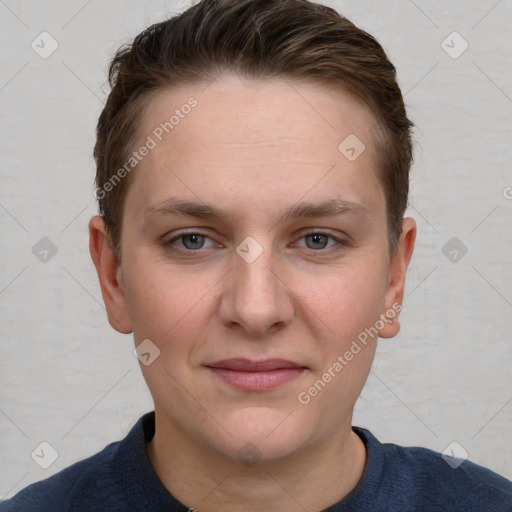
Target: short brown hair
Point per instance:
(256, 39)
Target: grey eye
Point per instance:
(316, 241)
(193, 241)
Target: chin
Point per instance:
(262, 433)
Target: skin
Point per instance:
(254, 148)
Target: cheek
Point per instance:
(164, 302)
(348, 298)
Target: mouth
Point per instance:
(256, 375)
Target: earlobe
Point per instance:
(109, 274)
(397, 271)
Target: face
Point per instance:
(249, 236)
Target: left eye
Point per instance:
(319, 240)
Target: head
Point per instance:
(252, 174)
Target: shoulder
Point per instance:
(86, 483)
(423, 476)
(453, 481)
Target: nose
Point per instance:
(256, 297)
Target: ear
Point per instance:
(109, 274)
(397, 270)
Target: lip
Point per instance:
(256, 375)
(247, 365)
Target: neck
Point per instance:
(207, 481)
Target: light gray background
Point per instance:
(67, 378)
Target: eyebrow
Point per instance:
(327, 208)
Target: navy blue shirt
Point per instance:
(120, 479)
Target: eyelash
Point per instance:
(169, 244)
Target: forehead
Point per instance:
(250, 111)
(276, 134)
